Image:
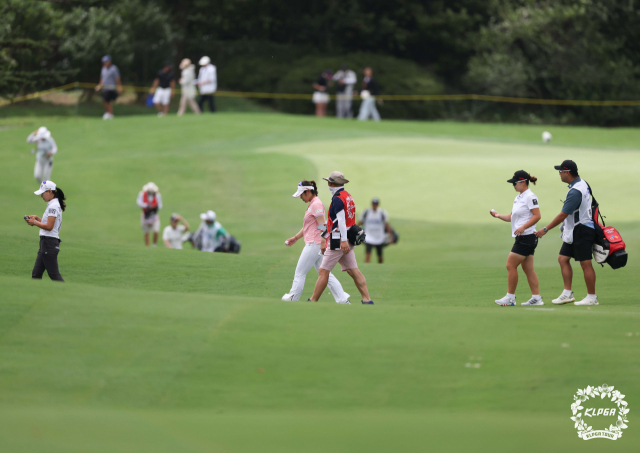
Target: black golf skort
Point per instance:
(525, 245)
(109, 95)
(583, 239)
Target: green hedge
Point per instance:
(282, 75)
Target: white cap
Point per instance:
(42, 132)
(150, 187)
(46, 185)
(204, 61)
(302, 189)
(209, 215)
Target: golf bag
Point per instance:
(233, 245)
(609, 247)
(388, 236)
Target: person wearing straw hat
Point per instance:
(45, 149)
(150, 201)
(312, 224)
(337, 249)
(188, 87)
(110, 84)
(207, 83)
(162, 88)
(49, 225)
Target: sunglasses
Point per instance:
(514, 184)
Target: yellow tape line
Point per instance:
(388, 97)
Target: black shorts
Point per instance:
(378, 248)
(109, 95)
(583, 239)
(525, 245)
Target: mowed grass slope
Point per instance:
(160, 350)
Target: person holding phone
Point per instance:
(49, 225)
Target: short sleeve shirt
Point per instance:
(53, 210)
(310, 230)
(165, 78)
(374, 224)
(521, 213)
(174, 236)
(109, 77)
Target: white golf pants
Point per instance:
(42, 170)
(310, 257)
(368, 109)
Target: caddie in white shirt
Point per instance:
(524, 216)
(207, 83)
(375, 222)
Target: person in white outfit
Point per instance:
(175, 234)
(345, 79)
(524, 216)
(311, 257)
(207, 83)
(45, 149)
(188, 87)
(150, 201)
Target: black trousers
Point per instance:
(47, 259)
(207, 97)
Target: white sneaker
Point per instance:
(533, 301)
(160, 114)
(287, 297)
(105, 116)
(506, 301)
(564, 299)
(345, 301)
(588, 301)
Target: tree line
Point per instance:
(579, 49)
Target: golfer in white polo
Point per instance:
(46, 148)
(311, 256)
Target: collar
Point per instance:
(574, 182)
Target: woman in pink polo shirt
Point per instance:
(311, 255)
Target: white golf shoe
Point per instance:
(288, 297)
(345, 301)
(564, 299)
(506, 301)
(532, 301)
(588, 301)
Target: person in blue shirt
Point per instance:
(578, 234)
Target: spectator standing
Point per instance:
(321, 95)
(368, 95)
(188, 87)
(375, 222)
(345, 79)
(45, 149)
(150, 200)
(110, 84)
(207, 83)
(173, 235)
(162, 88)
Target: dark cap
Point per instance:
(520, 175)
(375, 201)
(167, 63)
(567, 165)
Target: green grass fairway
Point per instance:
(156, 350)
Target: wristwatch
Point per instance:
(545, 229)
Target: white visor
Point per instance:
(302, 189)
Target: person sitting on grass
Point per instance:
(210, 235)
(174, 234)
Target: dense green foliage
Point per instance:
(586, 50)
(157, 350)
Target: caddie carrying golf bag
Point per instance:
(609, 247)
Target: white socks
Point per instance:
(591, 296)
(536, 296)
(511, 296)
(567, 292)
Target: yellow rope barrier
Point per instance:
(387, 97)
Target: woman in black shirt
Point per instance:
(320, 96)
